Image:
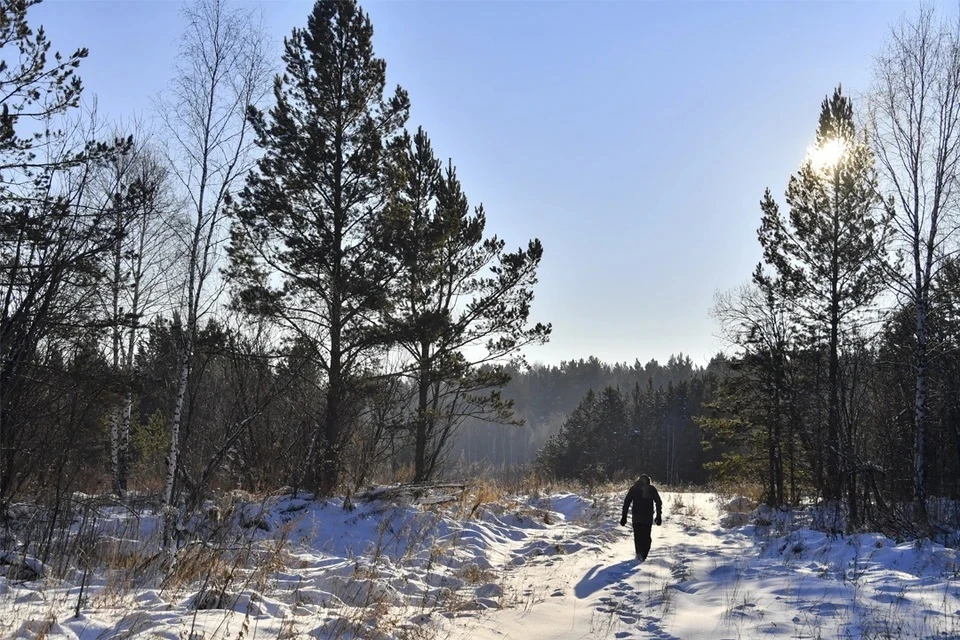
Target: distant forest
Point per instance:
(668, 395)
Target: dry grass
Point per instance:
(482, 491)
(40, 629)
(475, 575)
(731, 489)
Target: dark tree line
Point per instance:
(615, 434)
(275, 291)
(545, 396)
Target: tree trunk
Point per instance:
(115, 291)
(834, 488)
(123, 449)
(791, 457)
(851, 462)
(920, 418)
(777, 452)
(420, 455)
(174, 454)
(834, 482)
(194, 285)
(771, 465)
(115, 450)
(330, 464)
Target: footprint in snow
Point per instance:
(653, 627)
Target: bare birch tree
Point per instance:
(222, 70)
(915, 121)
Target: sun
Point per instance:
(827, 155)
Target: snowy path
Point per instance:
(702, 581)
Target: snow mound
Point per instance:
(25, 568)
(862, 552)
(739, 504)
(734, 520)
(293, 566)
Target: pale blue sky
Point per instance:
(635, 139)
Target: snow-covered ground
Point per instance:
(556, 566)
(705, 581)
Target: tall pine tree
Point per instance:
(305, 247)
(461, 304)
(830, 254)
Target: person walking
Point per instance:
(644, 497)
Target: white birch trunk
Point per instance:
(920, 419)
(115, 450)
(123, 446)
(174, 454)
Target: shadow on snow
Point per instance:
(599, 577)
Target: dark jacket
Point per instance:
(642, 507)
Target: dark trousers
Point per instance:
(641, 538)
